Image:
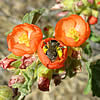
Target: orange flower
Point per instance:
(24, 39)
(49, 54)
(72, 31)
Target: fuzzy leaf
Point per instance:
(33, 16)
(28, 74)
(16, 64)
(14, 56)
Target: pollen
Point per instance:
(73, 33)
(24, 40)
(45, 48)
(59, 51)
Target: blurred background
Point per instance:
(11, 13)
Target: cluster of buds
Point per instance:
(88, 9)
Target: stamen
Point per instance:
(73, 33)
(24, 40)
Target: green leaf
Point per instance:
(28, 74)
(8, 32)
(16, 63)
(87, 48)
(95, 38)
(44, 72)
(96, 78)
(68, 5)
(88, 86)
(33, 16)
(14, 56)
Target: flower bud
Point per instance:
(91, 1)
(57, 79)
(6, 93)
(26, 61)
(57, 6)
(92, 20)
(77, 7)
(79, 3)
(97, 2)
(16, 79)
(62, 14)
(5, 63)
(44, 77)
(43, 83)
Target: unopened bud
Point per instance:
(97, 2)
(57, 6)
(26, 61)
(6, 93)
(61, 14)
(44, 77)
(43, 83)
(16, 79)
(57, 79)
(5, 63)
(91, 1)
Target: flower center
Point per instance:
(73, 33)
(24, 39)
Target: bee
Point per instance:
(52, 49)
